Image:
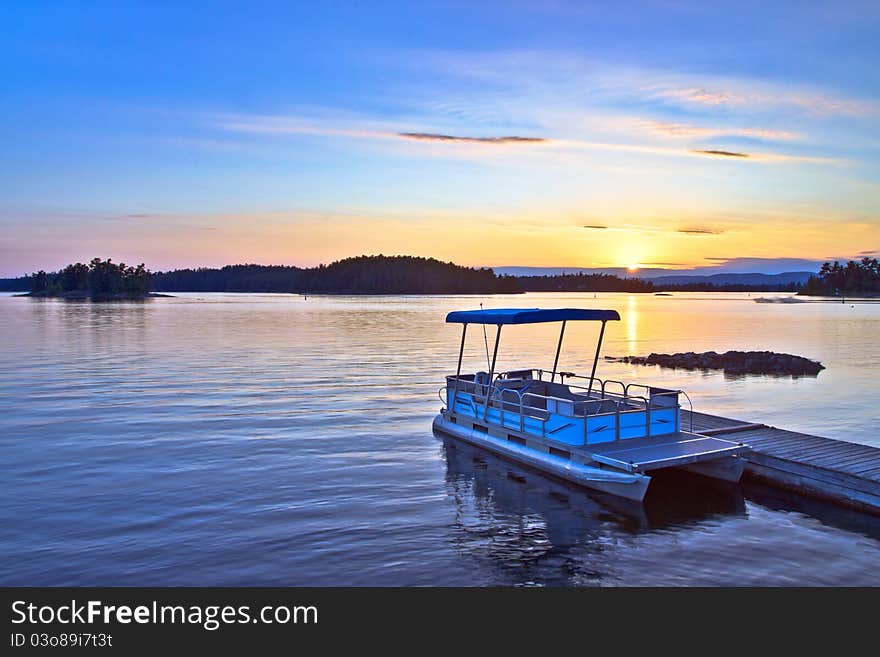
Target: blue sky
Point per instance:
(666, 134)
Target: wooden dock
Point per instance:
(835, 470)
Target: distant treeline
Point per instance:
(20, 284)
(851, 278)
(581, 282)
(361, 275)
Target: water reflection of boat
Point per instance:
(605, 435)
(549, 530)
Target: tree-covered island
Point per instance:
(100, 280)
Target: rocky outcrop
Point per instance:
(733, 362)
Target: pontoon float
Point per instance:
(601, 434)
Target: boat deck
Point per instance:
(843, 472)
(670, 450)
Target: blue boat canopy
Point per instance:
(529, 315)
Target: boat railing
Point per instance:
(603, 384)
(535, 405)
(538, 375)
(541, 414)
(653, 398)
(651, 392)
(691, 404)
(602, 392)
(486, 391)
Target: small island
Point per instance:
(100, 280)
(732, 362)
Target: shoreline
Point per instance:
(85, 296)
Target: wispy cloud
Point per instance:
(750, 263)
(431, 136)
(700, 231)
(735, 93)
(153, 220)
(689, 131)
(557, 77)
(701, 96)
(361, 129)
(719, 153)
(365, 128)
(765, 157)
(293, 125)
(657, 228)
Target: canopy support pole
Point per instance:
(458, 369)
(596, 359)
(492, 372)
(558, 349)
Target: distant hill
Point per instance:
(760, 280)
(734, 265)
(660, 277)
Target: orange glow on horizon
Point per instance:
(308, 239)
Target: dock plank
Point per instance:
(868, 471)
(843, 459)
(845, 472)
(820, 450)
(816, 451)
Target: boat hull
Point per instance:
(632, 486)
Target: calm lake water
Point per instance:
(214, 439)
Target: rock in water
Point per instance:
(733, 362)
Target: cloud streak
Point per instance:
(646, 228)
(432, 136)
(283, 125)
(669, 129)
(717, 153)
(699, 231)
(733, 93)
(365, 129)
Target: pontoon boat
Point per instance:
(601, 434)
